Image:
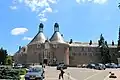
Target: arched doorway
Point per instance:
(45, 61)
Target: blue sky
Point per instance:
(81, 20)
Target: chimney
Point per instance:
(90, 43)
(70, 41)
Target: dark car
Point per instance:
(61, 65)
(17, 66)
(35, 73)
(91, 66)
(100, 66)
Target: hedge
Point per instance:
(9, 73)
(22, 71)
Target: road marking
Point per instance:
(93, 75)
(72, 78)
(107, 77)
(51, 79)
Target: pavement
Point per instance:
(81, 74)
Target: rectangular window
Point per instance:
(82, 48)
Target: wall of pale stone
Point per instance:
(33, 54)
(73, 55)
(85, 55)
(60, 53)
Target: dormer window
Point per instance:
(38, 46)
(55, 46)
(47, 46)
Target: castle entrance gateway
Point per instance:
(45, 61)
(46, 53)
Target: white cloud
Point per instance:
(52, 1)
(13, 7)
(27, 38)
(18, 31)
(43, 19)
(78, 1)
(100, 1)
(20, 1)
(40, 6)
(93, 1)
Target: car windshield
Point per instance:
(92, 64)
(100, 64)
(113, 64)
(35, 69)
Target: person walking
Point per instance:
(61, 74)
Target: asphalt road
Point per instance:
(81, 74)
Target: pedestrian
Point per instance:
(61, 74)
(43, 65)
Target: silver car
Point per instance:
(35, 73)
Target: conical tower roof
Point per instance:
(40, 37)
(56, 37)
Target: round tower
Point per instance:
(56, 37)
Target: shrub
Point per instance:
(22, 71)
(8, 73)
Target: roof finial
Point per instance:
(56, 27)
(41, 27)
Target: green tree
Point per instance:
(104, 49)
(9, 60)
(3, 56)
(118, 48)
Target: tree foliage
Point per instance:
(9, 60)
(104, 49)
(119, 41)
(3, 56)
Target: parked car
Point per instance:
(18, 66)
(108, 65)
(118, 66)
(79, 66)
(61, 65)
(91, 66)
(84, 65)
(111, 65)
(100, 66)
(35, 73)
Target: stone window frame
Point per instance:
(38, 45)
